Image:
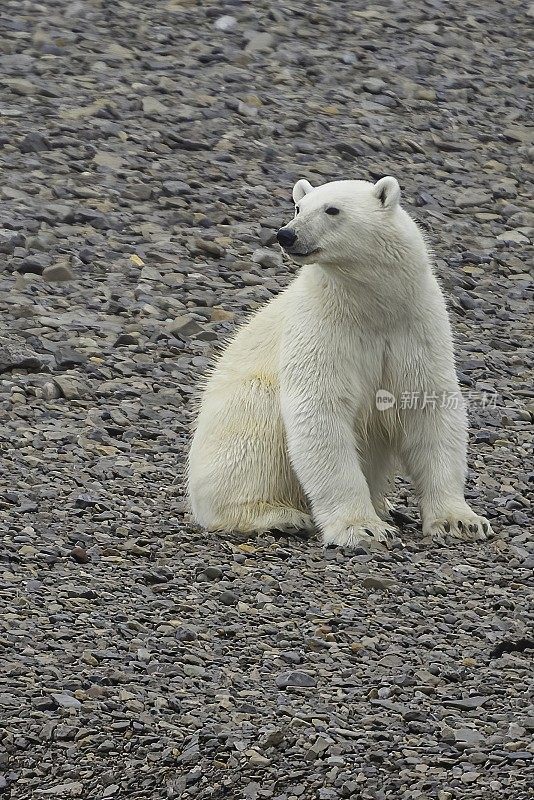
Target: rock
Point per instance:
(184, 325)
(228, 598)
(126, 339)
(467, 735)
(225, 23)
(110, 160)
(267, 258)
(259, 42)
(472, 197)
(20, 86)
(71, 388)
(377, 582)
(56, 273)
(469, 777)
(246, 110)
(209, 248)
(221, 314)
(374, 85)
(16, 354)
(467, 703)
(69, 789)
(272, 738)
(212, 573)
(50, 391)
(34, 143)
(295, 679)
(151, 105)
(513, 236)
(176, 188)
(424, 93)
(256, 759)
(34, 264)
(80, 555)
(66, 701)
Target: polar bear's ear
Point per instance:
(387, 190)
(301, 188)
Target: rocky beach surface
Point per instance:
(147, 153)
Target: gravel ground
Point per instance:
(148, 153)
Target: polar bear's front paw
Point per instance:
(365, 533)
(463, 524)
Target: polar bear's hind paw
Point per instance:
(361, 533)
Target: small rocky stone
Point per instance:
(56, 273)
(513, 236)
(377, 582)
(295, 679)
(184, 325)
(66, 701)
(373, 85)
(16, 354)
(71, 388)
(34, 143)
(267, 258)
(226, 23)
(228, 598)
(80, 555)
(259, 42)
(34, 264)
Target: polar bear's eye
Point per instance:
(332, 211)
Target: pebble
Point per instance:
(66, 701)
(56, 273)
(267, 258)
(295, 679)
(226, 23)
(377, 582)
(228, 598)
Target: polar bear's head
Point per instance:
(344, 221)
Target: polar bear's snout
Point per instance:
(286, 237)
(298, 247)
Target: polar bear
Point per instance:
(301, 422)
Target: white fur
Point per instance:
(288, 428)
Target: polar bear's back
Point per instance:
(255, 349)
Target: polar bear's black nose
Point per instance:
(286, 237)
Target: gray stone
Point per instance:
(259, 42)
(267, 258)
(57, 273)
(66, 701)
(377, 582)
(225, 23)
(295, 679)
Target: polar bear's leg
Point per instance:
(269, 517)
(378, 468)
(434, 452)
(320, 438)
(240, 477)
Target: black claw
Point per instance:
(460, 525)
(368, 532)
(447, 527)
(485, 527)
(473, 528)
